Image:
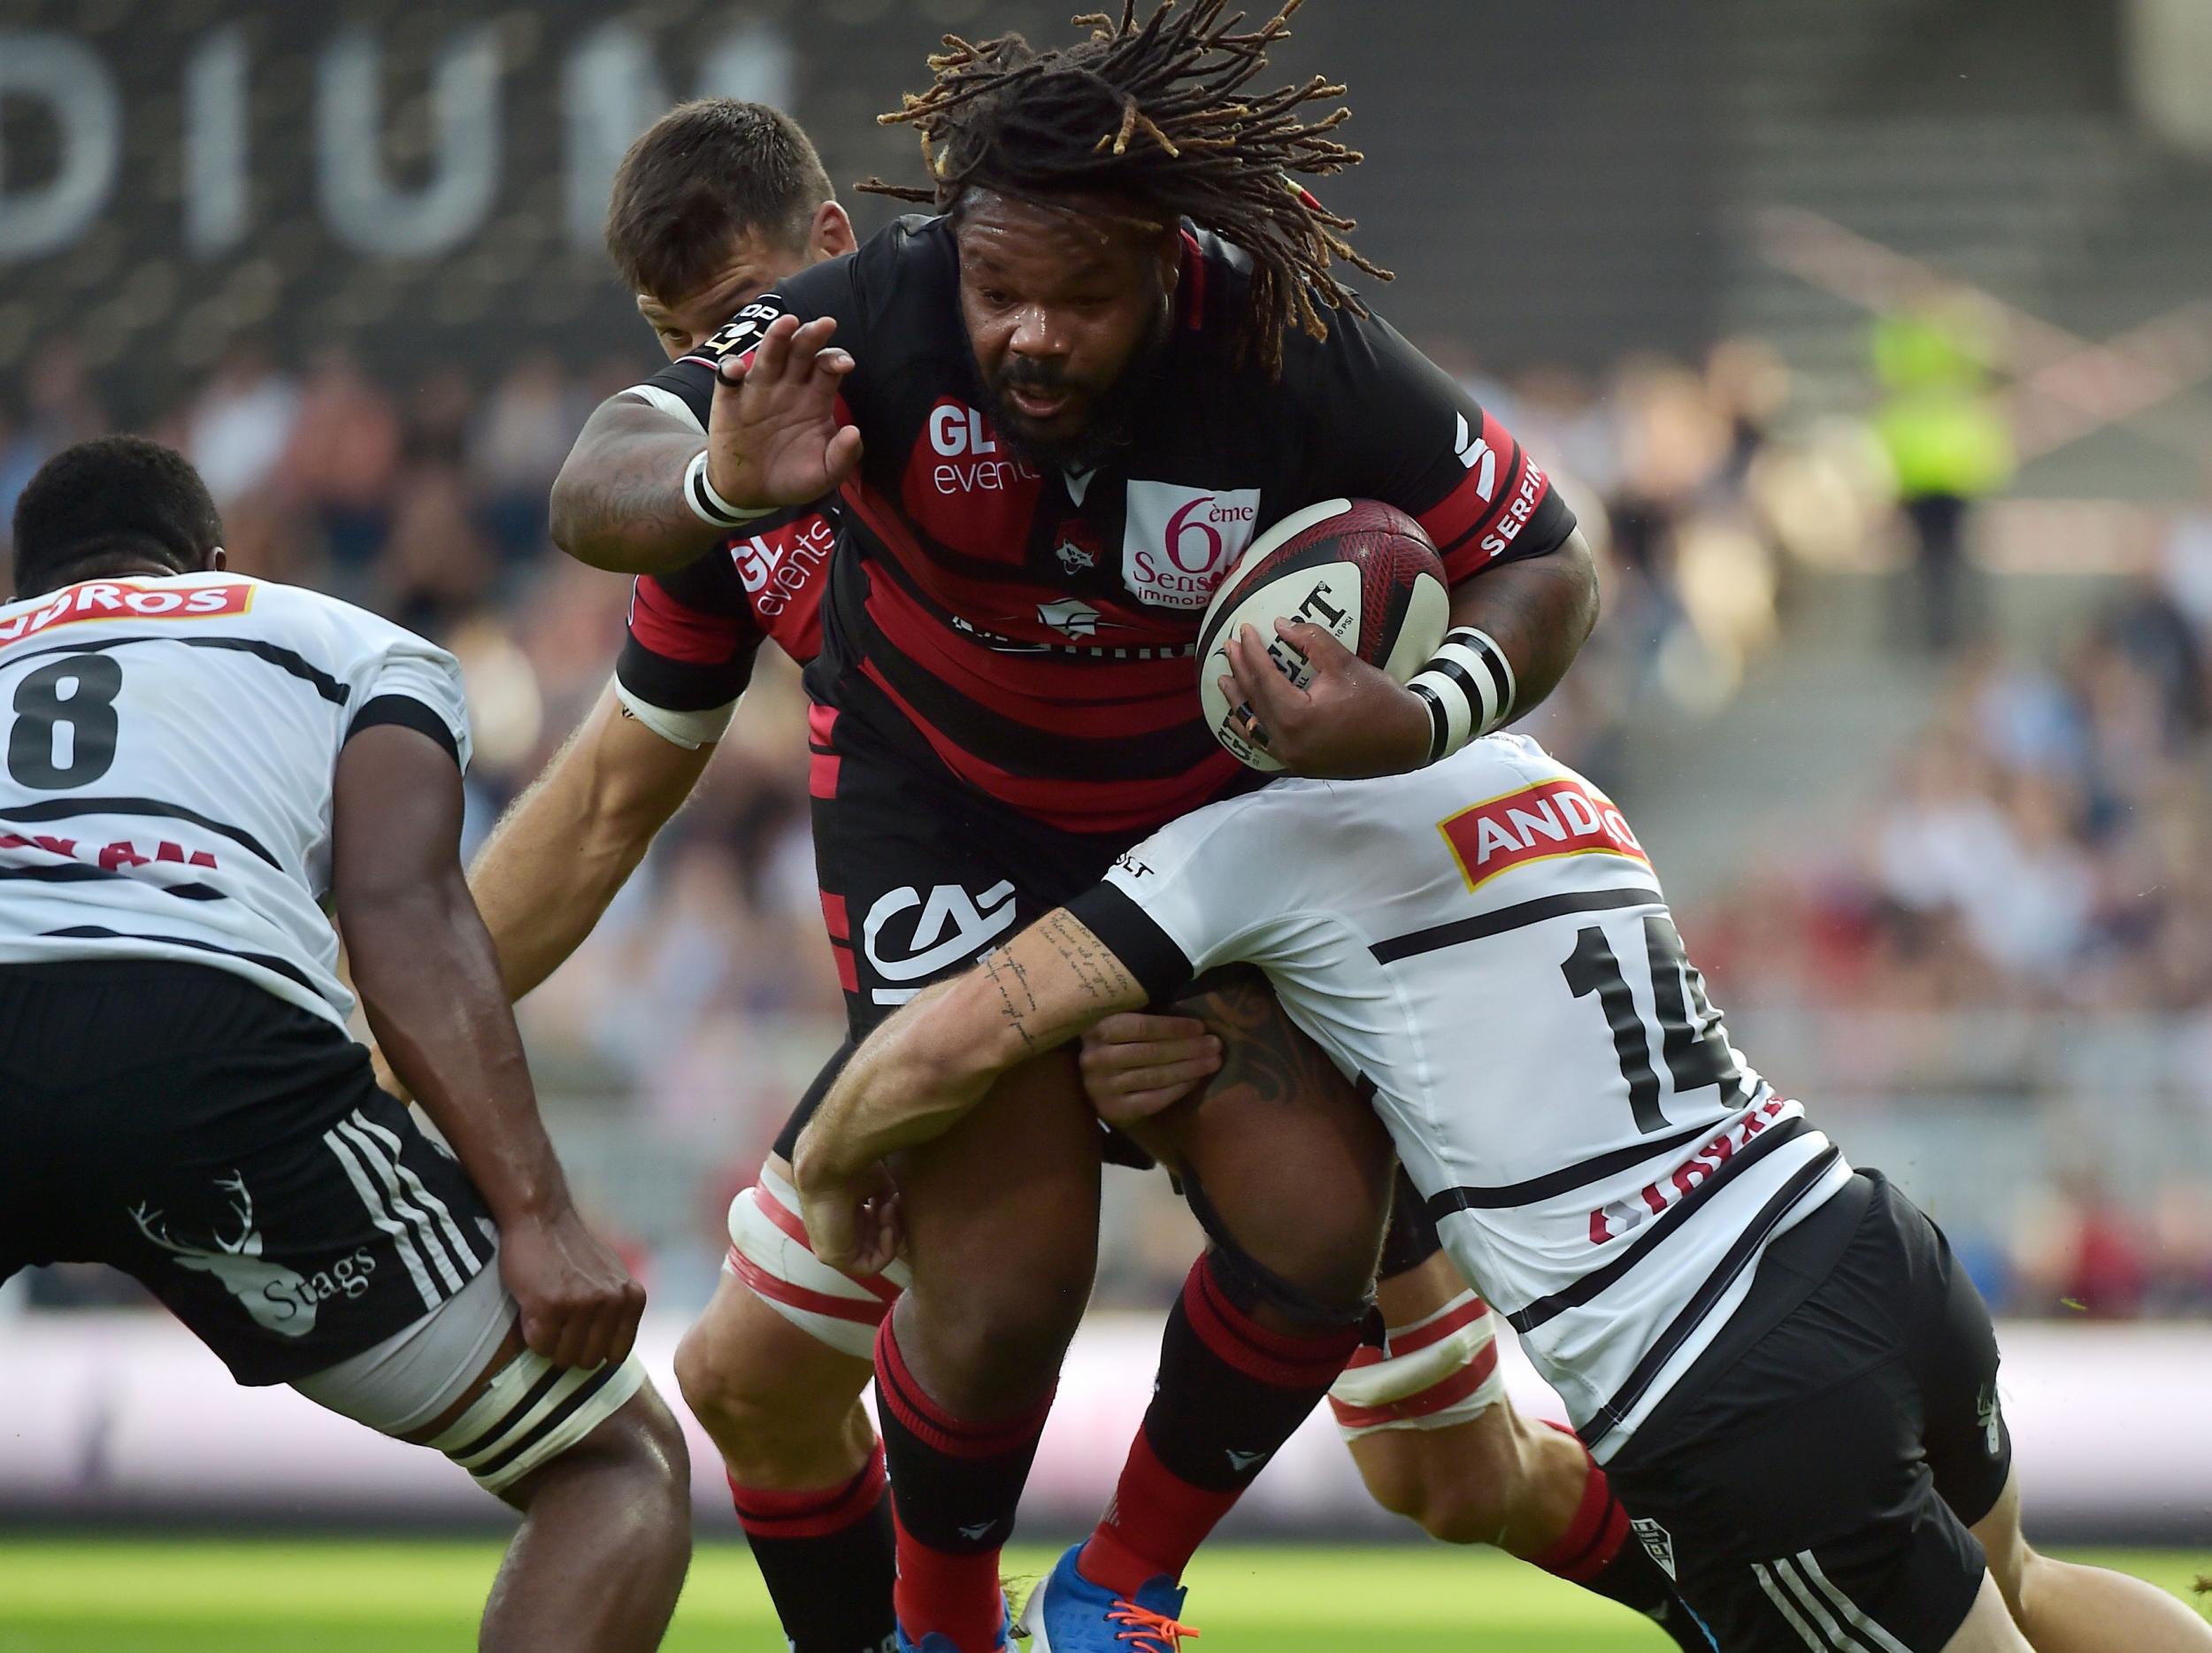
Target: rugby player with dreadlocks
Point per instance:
(1117, 354)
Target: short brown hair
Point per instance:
(704, 172)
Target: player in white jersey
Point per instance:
(1792, 1383)
(194, 763)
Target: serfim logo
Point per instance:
(1180, 541)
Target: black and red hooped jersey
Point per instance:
(1036, 631)
(694, 632)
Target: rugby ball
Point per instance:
(1362, 569)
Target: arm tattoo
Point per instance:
(1016, 1002)
(1263, 1052)
(1094, 966)
(628, 501)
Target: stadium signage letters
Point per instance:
(111, 600)
(1180, 541)
(1537, 824)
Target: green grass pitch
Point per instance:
(346, 1595)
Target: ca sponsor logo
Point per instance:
(1178, 542)
(279, 1299)
(1657, 1541)
(950, 926)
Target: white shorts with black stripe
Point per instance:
(530, 1412)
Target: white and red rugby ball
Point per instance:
(1361, 569)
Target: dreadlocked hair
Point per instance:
(1155, 111)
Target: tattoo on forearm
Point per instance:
(1096, 970)
(633, 498)
(1091, 964)
(1017, 1004)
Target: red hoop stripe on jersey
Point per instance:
(767, 1513)
(1278, 1358)
(1444, 1392)
(847, 966)
(763, 1284)
(777, 1212)
(1465, 511)
(1004, 599)
(1414, 1338)
(1096, 807)
(821, 728)
(677, 632)
(896, 1389)
(834, 918)
(1047, 693)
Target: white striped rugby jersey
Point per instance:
(170, 748)
(1484, 947)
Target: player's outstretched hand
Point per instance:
(1350, 721)
(579, 1306)
(854, 1226)
(773, 435)
(1136, 1065)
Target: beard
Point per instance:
(1112, 411)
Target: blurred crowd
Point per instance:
(2042, 844)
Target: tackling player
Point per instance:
(716, 201)
(1790, 1380)
(1079, 406)
(193, 761)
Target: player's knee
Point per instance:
(638, 1468)
(758, 1410)
(1457, 1488)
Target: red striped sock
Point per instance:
(1594, 1537)
(825, 1556)
(1230, 1392)
(955, 1486)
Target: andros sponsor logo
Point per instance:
(119, 600)
(1535, 823)
(1180, 541)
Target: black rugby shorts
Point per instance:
(1813, 1491)
(233, 1153)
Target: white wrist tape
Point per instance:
(1468, 684)
(709, 506)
